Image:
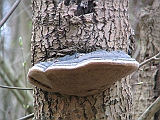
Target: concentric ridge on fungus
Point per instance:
(82, 74)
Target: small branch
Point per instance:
(26, 117)
(150, 59)
(17, 88)
(139, 83)
(9, 13)
(151, 110)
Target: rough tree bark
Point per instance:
(146, 92)
(66, 27)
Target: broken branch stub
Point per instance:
(82, 74)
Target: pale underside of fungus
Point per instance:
(82, 74)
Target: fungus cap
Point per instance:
(82, 74)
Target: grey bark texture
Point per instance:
(148, 75)
(62, 28)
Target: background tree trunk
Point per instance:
(146, 92)
(59, 29)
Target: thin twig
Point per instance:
(150, 59)
(26, 117)
(9, 13)
(17, 88)
(151, 110)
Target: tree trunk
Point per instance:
(148, 90)
(62, 28)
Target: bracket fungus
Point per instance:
(82, 74)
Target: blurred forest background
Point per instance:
(15, 36)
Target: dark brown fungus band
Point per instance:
(82, 74)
